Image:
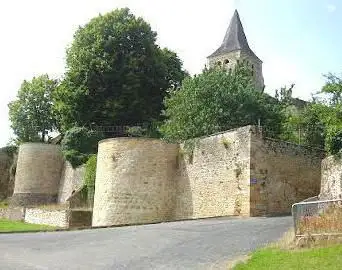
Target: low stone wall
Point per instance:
(331, 181)
(58, 218)
(3, 212)
(17, 213)
(80, 218)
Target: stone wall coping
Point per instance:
(155, 139)
(295, 144)
(225, 131)
(133, 138)
(39, 143)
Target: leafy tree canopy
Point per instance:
(217, 100)
(319, 123)
(79, 143)
(116, 73)
(31, 113)
(333, 88)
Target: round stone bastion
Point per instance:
(134, 181)
(38, 173)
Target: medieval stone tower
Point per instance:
(235, 49)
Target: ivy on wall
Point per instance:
(89, 178)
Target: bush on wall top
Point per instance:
(334, 140)
(78, 143)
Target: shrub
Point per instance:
(10, 150)
(78, 143)
(334, 140)
(215, 101)
(75, 158)
(149, 130)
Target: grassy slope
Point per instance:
(17, 226)
(272, 258)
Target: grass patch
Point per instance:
(275, 258)
(18, 226)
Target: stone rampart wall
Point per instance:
(71, 180)
(331, 185)
(7, 171)
(282, 174)
(134, 181)
(38, 173)
(213, 179)
(58, 218)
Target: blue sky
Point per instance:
(298, 40)
(302, 36)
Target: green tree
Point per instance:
(320, 122)
(328, 107)
(31, 114)
(217, 100)
(116, 73)
(79, 143)
(333, 88)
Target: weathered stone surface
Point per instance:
(3, 212)
(79, 219)
(216, 181)
(141, 180)
(13, 213)
(79, 199)
(38, 172)
(6, 175)
(134, 181)
(282, 174)
(29, 199)
(71, 180)
(58, 218)
(237, 172)
(331, 186)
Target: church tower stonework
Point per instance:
(235, 49)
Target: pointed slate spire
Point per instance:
(235, 38)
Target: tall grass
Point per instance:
(328, 222)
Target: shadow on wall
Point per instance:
(282, 173)
(183, 206)
(79, 199)
(8, 162)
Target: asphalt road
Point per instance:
(196, 244)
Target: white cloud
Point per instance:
(331, 8)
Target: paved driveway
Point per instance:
(197, 244)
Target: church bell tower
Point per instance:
(235, 49)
